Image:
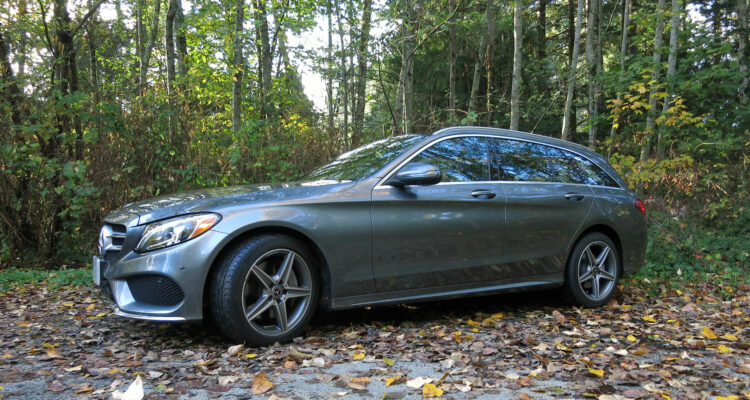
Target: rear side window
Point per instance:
(460, 159)
(514, 160)
(570, 167)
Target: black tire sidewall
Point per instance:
(227, 308)
(572, 287)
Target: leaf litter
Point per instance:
(688, 343)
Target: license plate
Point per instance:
(97, 271)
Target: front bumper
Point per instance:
(161, 285)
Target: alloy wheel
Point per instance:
(277, 292)
(597, 270)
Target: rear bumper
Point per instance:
(163, 285)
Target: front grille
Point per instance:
(111, 239)
(155, 290)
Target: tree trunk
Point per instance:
(21, 53)
(93, 67)
(515, 92)
(671, 71)
(239, 66)
(359, 111)
(170, 52)
(481, 51)
(490, 18)
(407, 66)
(621, 75)
(743, 52)
(344, 85)
(541, 31)
(145, 56)
(452, 65)
(566, 134)
(180, 40)
(265, 60)
(655, 76)
(592, 42)
(329, 69)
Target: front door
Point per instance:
(443, 234)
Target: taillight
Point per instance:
(640, 206)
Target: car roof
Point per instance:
(508, 133)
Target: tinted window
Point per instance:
(363, 161)
(573, 168)
(461, 159)
(514, 160)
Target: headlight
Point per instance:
(170, 232)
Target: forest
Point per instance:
(109, 101)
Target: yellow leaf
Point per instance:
(724, 349)
(251, 355)
(430, 390)
(730, 397)
(90, 307)
(729, 336)
(475, 330)
(597, 372)
(665, 396)
(632, 338)
(648, 318)
(358, 355)
(497, 315)
(562, 347)
(390, 381)
(261, 384)
(116, 371)
(708, 333)
(388, 361)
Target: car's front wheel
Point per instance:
(593, 270)
(265, 290)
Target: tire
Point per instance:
(265, 290)
(593, 270)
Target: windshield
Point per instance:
(363, 161)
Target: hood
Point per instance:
(216, 199)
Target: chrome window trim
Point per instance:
(381, 183)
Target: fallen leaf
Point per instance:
(632, 338)
(729, 336)
(418, 382)
(708, 333)
(430, 390)
(648, 318)
(597, 372)
(358, 355)
(724, 349)
(261, 384)
(234, 350)
(388, 361)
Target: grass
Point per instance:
(54, 278)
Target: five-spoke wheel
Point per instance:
(593, 270)
(265, 290)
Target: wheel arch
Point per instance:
(324, 272)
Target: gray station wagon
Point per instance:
(465, 211)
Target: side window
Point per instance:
(514, 160)
(460, 159)
(573, 168)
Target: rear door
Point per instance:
(443, 234)
(543, 212)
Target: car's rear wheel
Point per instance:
(593, 270)
(265, 290)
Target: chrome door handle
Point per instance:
(574, 196)
(483, 193)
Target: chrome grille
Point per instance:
(111, 239)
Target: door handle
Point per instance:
(574, 196)
(483, 193)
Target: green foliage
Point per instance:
(687, 250)
(12, 277)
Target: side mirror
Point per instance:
(420, 174)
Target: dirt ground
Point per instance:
(673, 344)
